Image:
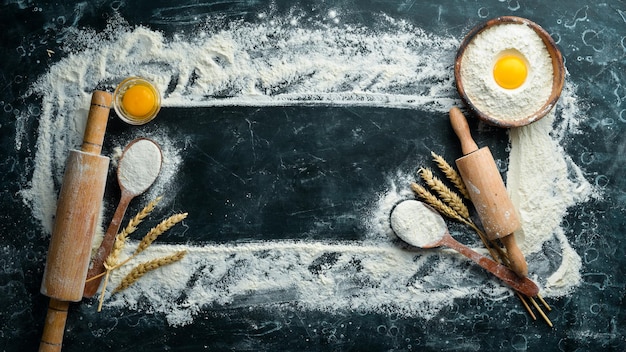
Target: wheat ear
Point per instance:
(152, 236)
(451, 174)
(144, 268)
(158, 230)
(112, 260)
(436, 203)
(445, 193)
(450, 212)
(120, 240)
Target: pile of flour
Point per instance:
(477, 72)
(275, 62)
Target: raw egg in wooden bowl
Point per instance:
(509, 71)
(136, 100)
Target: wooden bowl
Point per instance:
(557, 67)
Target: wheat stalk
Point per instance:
(158, 230)
(112, 260)
(451, 174)
(104, 289)
(120, 240)
(450, 212)
(445, 193)
(135, 221)
(151, 237)
(144, 268)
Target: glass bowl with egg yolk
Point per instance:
(136, 101)
(510, 69)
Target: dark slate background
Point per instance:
(592, 38)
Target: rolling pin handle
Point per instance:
(97, 122)
(516, 257)
(461, 128)
(53, 331)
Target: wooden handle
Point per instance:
(97, 263)
(53, 331)
(516, 257)
(508, 276)
(461, 128)
(97, 122)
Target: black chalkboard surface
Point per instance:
(284, 177)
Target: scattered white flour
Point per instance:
(416, 224)
(477, 72)
(243, 64)
(139, 166)
(277, 63)
(543, 183)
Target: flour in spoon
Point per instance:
(139, 166)
(417, 225)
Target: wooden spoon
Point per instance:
(420, 226)
(137, 170)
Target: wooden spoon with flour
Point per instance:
(420, 226)
(137, 170)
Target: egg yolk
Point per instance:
(510, 72)
(138, 100)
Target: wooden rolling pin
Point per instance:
(488, 192)
(78, 209)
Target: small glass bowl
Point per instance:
(126, 116)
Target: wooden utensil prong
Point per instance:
(543, 315)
